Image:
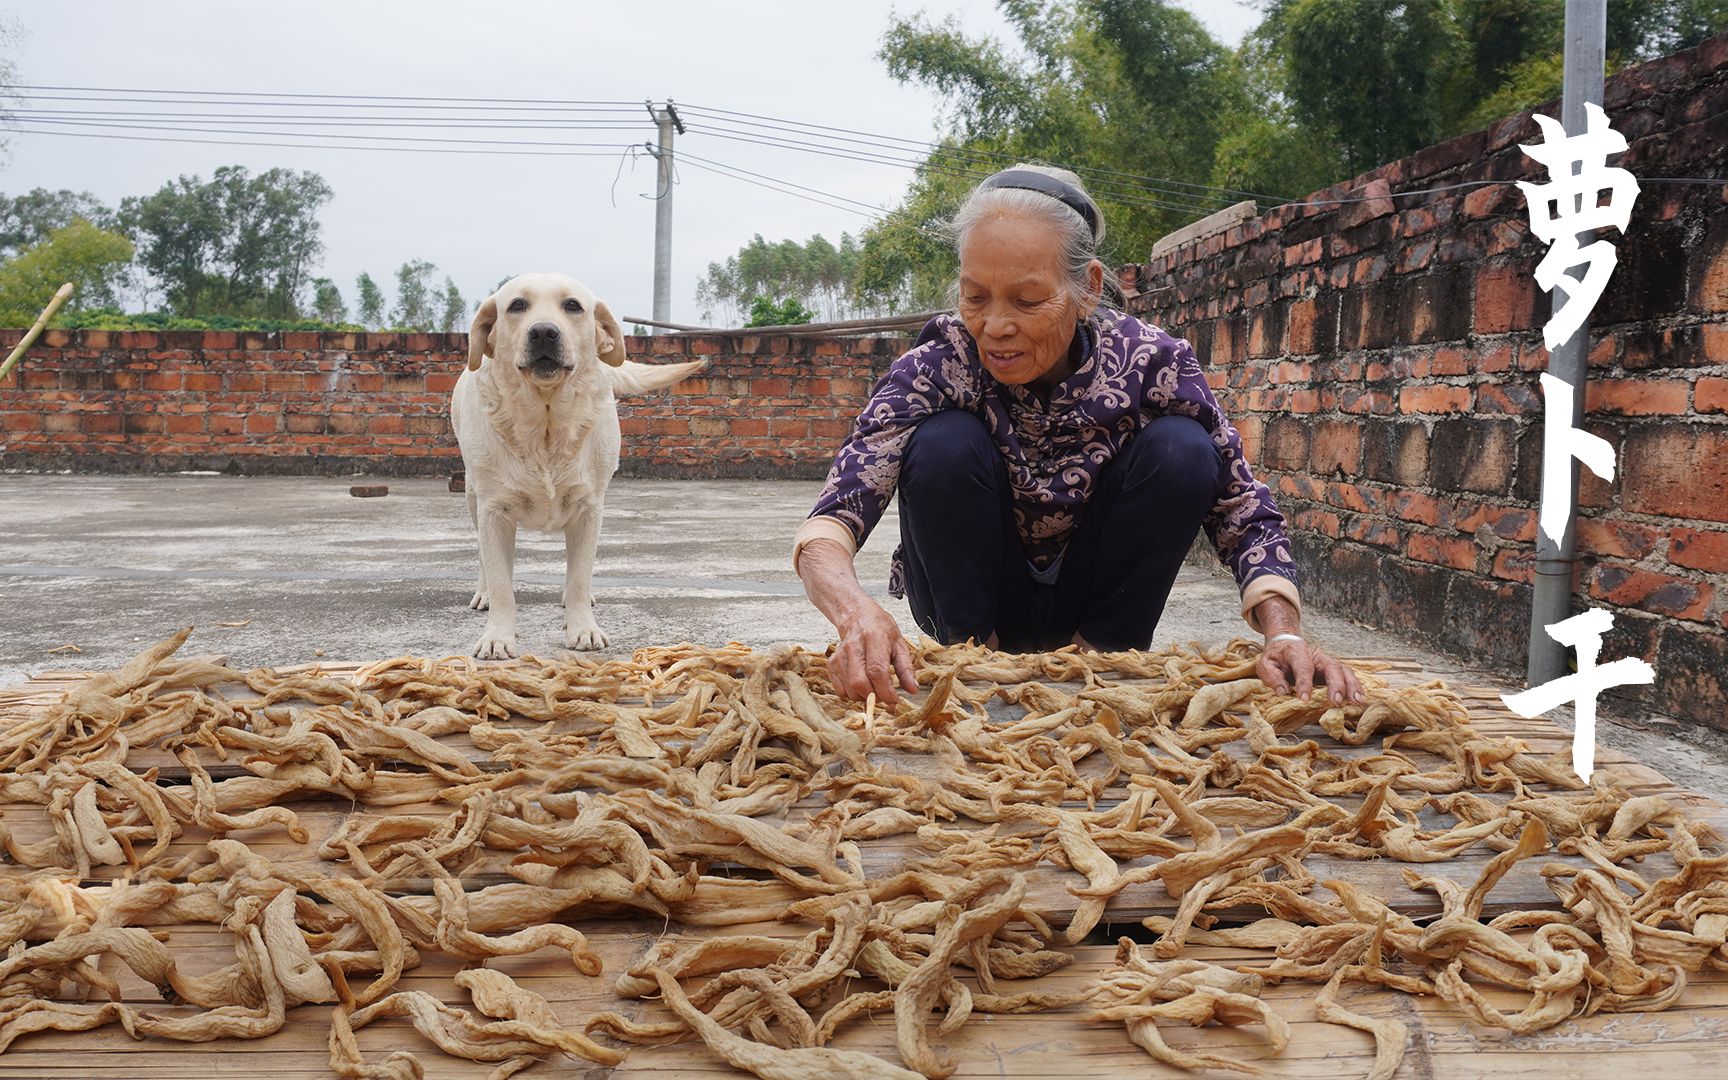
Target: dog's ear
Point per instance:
(480, 333)
(608, 337)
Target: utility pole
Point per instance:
(1586, 45)
(666, 119)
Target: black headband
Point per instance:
(1065, 193)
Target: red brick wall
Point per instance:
(308, 402)
(1381, 361)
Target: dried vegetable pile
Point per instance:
(719, 787)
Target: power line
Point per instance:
(1084, 170)
(321, 134)
(1144, 191)
(933, 166)
(322, 146)
(877, 216)
(869, 209)
(1113, 190)
(690, 160)
(523, 122)
(204, 121)
(566, 105)
(621, 105)
(289, 103)
(121, 124)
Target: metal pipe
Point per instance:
(1551, 602)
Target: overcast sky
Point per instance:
(480, 218)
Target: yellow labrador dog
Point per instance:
(537, 422)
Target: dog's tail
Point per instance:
(633, 378)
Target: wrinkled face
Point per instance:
(544, 325)
(1014, 298)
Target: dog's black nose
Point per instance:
(542, 332)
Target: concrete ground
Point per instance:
(283, 570)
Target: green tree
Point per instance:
(1088, 83)
(236, 244)
(1384, 78)
(1263, 148)
(273, 236)
(1369, 74)
(783, 312)
(817, 274)
(454, 315)
(179, 232)
(414, 301)
(93, 260)
(327, 303)
(370, 301)
(1640, 30)
(28, 219)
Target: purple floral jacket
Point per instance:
(1132, 372)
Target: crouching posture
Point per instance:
(1054, 459)
(537, 421)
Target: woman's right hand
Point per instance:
(871, 653)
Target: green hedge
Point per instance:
(109, 319)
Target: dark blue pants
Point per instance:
(965, 567)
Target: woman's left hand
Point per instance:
(1308, 665)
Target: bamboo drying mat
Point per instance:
(1688, 1040)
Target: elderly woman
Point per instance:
(1054, 460)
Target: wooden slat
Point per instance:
(1686, 1040)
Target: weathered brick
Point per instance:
(1615, 539)
(1711, 395)
(1323, 522)
(1645, 284)
(1336, 448)
(1658, 594)
(1483, 617)
(1637, 397)
(1474, 455)
(1416, 506)
(1456, 552)
(1710, 270)
(1677, 471)
(1434, 307)
(1375, 532)
(1286, 443)
(1699, 549)
(1690, 662)
(1265, 331)
(1671, 347)
(1515, 564)
(1368, 318)
(1506, 299)
(1414, 598)
(1434, 399)
(1509, 398)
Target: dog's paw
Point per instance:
(480, 602)
(587, 640)
(584, 636)
(496, 645)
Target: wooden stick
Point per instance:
(41, 321)
(883, 322)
